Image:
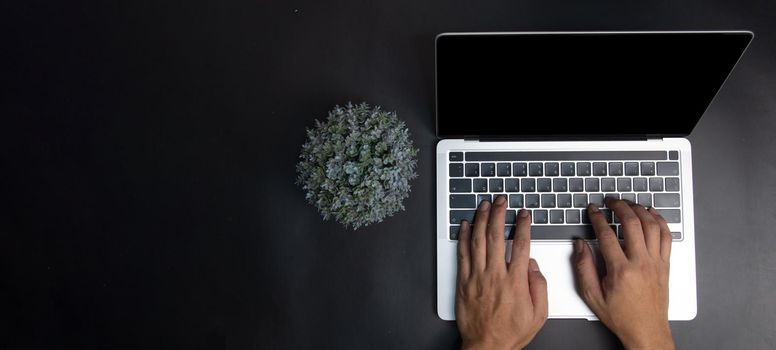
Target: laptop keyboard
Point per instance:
(556, 187)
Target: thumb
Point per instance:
(537, 286)
(587, 276)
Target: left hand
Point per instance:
(498, 305)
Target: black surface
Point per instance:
(147, 178)
(544, 82)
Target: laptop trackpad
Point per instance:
(556, 261)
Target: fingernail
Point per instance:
(484, 205)
(523, 213)
(578, 246)
(532, 265)
(592, 207)
(500, 200)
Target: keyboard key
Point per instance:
(560, 185)
(607, 184)
(520, 169)
(580, 200)
(454, 232)
(460, 185)
(496, 185)
(655, 184)
(544, 185)
(532, 201)
(631, 169)
(668, 168)
(472, 170)
(567, 169)
(611, 195)
(484, 197)
(515, 200)
(512, 185)
(480, 185)
(456, 156)
(488, 169)
(629, 197)
(556, 216)
(672, 216)
(576, 184)
(623, 184)
(677, 236)
(667, 200)
(672, 184)
(509, 232)
(551, 169)
(584, 216)
(490, 156)
(583, 169)
(540, 216)
(462, 201)
(528, 185)
(456, 169)
(645, 199)
(510, 217)
(591, 185)
(564, 201)
(608, 215)
(548, 201)
(647, 168)
(597, 199)
(673, 155)
(503, 169)
(572, 216)
(640, 184)
(562, 232)
(615, 168)
(456, 216)
(535, 169)
(599, 169)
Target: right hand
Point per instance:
(632, 296)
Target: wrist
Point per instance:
(655, 341)
(485, 345)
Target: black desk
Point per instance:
(147, 180)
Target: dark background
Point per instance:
(147, 173)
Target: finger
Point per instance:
(665, 236)
(651, 229)
(587, 277)
(478, 242)
(537, 285)
(631, 225)
(495, 242)
(521, 245)
(464, 259)
(607, 239)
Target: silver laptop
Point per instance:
(555, 121)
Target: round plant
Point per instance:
(357, 165)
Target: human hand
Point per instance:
(498, 305)
(632, 297)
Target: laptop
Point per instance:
(557, 120)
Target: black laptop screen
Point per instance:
(580, 85)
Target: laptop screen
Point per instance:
(580, 85)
